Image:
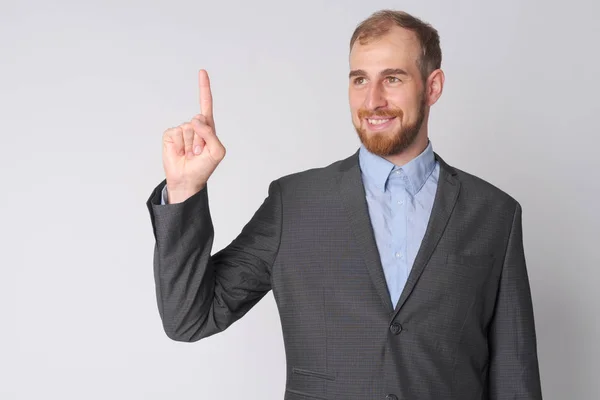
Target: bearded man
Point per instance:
(396, 275)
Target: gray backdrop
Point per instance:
(87, 88)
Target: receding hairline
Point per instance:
(409, 36)
(381, 23)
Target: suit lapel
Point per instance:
(353, 197)
(443, 204)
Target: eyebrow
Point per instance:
(387, 71)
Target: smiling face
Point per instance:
(388, 97)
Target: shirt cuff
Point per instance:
(164, 196)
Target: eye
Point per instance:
(359, 81)
(393, 79)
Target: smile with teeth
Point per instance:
(378, 121)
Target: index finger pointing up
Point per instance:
(206, 107)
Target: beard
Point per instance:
(385, 143)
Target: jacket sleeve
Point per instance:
(514, 371)
(200, 294)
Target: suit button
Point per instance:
(391, 397)
(396, 328)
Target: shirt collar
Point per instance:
(376, 170)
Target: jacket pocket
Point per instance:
(307, 384)
(306, 372)
(302, 395)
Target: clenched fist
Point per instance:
(192, 151)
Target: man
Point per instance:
(396, 276)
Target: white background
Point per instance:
(87, 89)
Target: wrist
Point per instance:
(180, 194)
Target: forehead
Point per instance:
(399, 48)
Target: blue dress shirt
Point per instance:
(400, 200)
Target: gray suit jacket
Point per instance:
(463, 328)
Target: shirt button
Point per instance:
(398, 172)
(400, 202)
(398, 255)
(396, 328)
(391, 397)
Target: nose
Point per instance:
(375, 97)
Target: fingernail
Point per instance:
(197, 150)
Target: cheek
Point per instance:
(405, 96)
(356, 100)
(408, 106)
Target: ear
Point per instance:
(434, 86)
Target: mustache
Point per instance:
(387, 113)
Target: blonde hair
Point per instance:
(380, 23)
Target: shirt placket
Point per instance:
(399, 226)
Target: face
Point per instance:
(387, 95)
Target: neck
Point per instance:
(411, 152)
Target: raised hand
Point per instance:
(192, 151)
